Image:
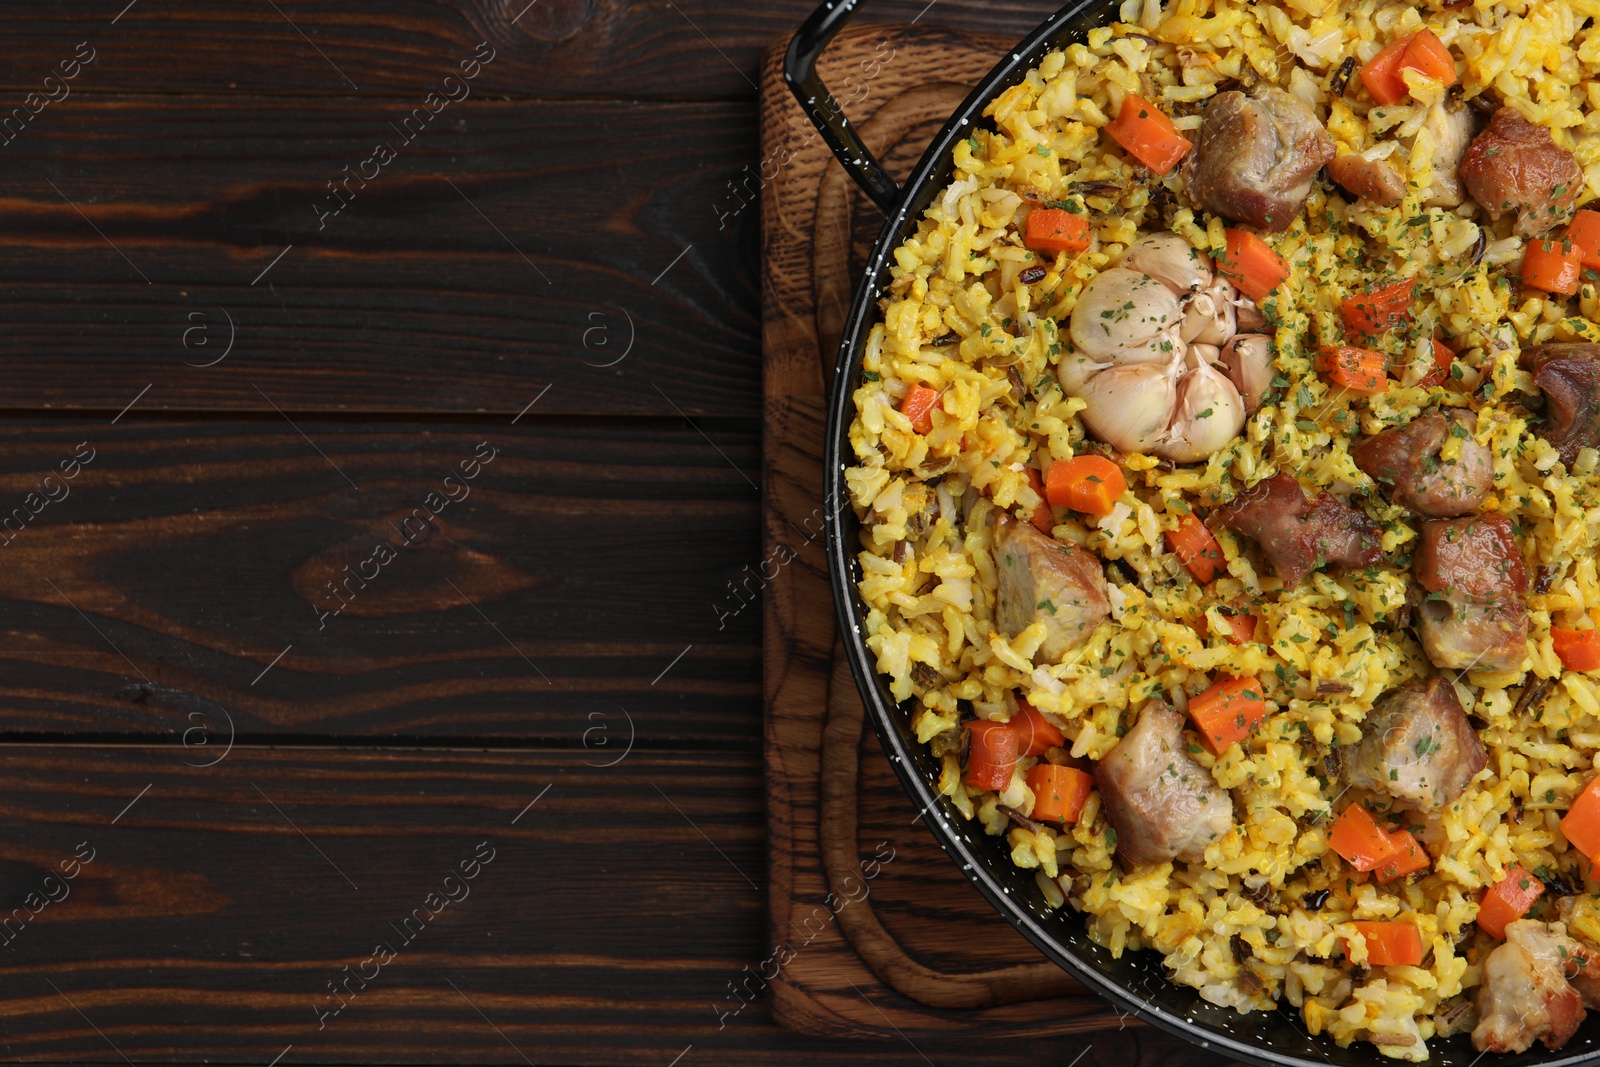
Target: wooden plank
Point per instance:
(549, 48)
(557, 598)
(191, 245)
(606, 926)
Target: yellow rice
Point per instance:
(960, 274)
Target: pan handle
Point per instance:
(800, 71)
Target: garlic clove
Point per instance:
(1163, 348)
(1199, 312)
(1206, 353)
(1209, 414)
(1121, 310)
(1075, 370)
(1130, 406)
(1247, 316)
(1223, 324)
(1170, 260)
(1248, 360)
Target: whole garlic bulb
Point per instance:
(1147, 388)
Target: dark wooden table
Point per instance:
(381, 431)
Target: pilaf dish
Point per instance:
(1226, 461)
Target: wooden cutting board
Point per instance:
(905, 946)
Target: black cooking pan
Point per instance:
(1136, 983)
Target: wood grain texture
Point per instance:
(547, 601)
(137, 614)
(920, 953)
(506, 248)
(217, 908)
(607, 48)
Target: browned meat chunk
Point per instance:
(1587, 986)
(1378, 181)
(1162, 804)
(1255, 157)
(1418, 746)
(1042, 580)
(1475, 613)
(1299, 535)
(1372, 179)
(1473, 559)
(1525, 996)
(1407, 462)
(1515, 165)
(1569, 377)
(1467, 636)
